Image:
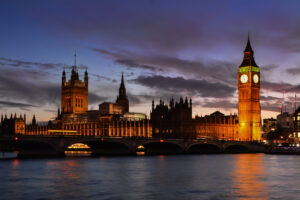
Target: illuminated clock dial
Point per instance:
(255, 78)
(244, 78)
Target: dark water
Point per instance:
(239, 176)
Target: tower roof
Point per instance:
(248, 46)
(248, 56)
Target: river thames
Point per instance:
(220, 176)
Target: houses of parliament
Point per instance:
(167, 120)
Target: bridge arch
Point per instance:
(78, 149)
(105, 147)
(203, 148)
(237, 148)
(162, 147)
(36, 148)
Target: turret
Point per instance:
(74, 74)
(172, 103)
(191, 102)
(63, 79)
(181, 100)
(152, 104)
(33, 122)
(86, 78)
(58, 113)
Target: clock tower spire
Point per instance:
(249, 97)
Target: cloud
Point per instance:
(212, 70)
(223, 104)
(29, 64)
(186, 86)
(33, 88)
(94, 98)
(132, 64)
(12, 104)
(279, 87)
(293, 71)
(268, 68)
(24, 85)
(99, 77)
(269, 98)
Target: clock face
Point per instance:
(255, 78)
(244, 78)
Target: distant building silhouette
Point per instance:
(173, 121)
(12, 125)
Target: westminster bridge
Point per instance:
(57, 145)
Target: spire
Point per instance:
(122, 90)
(75, 59)
(122, 98)
(248, 46)
(122, 80)
(248, 55)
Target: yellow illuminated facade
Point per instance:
(249, 98)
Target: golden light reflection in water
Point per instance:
(67, 168)
(248, 173)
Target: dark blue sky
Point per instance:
(165, 48)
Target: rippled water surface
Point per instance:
(232, 176)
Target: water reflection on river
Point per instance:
(232, 176)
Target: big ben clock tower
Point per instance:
(249, 97)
